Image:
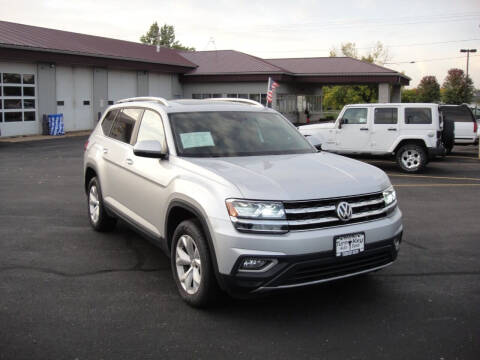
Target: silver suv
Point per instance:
(237, 197)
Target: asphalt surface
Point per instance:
(67, 292)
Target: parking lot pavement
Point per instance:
(67, 292)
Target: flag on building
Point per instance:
(272, 85)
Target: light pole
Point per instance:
(468, 51)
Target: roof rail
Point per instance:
(237, 100)
(144, 98)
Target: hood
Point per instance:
(297, 177)
(329, 125)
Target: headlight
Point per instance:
(389, 196)
(257, 216)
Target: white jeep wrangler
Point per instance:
(412, 132)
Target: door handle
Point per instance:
(129, 161)
(364, 129)
(392, 129)
(105, 150)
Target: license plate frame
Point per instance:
(342, 244)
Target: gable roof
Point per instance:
(330, 66)
(218, 62)
(13, 35)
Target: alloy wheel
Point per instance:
(188, 264)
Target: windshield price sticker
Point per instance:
(196, 139)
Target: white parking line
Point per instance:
(433, 177)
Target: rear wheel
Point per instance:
(412, 158)
(191, 265)
(99, 219)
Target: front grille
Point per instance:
(317, 214)
(331, 267)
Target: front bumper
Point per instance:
(301, 251)
(310, 269)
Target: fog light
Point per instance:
(397, 242)
(256, 264)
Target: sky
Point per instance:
(428, 33)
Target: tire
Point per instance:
(98, 216)
(411, 158)
(190, 253)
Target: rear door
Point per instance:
(354, 135)
(117, 148)
(385, 128)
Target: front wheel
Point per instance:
(412, 158)
(191, 265)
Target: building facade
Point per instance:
(46, 71)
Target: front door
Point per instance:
(151, 177)
(354, 133)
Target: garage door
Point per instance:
(74, 97)
(160, 85)
(121, 84)
(18, 100)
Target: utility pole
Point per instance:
(468, 51)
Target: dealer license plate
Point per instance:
(351, 244)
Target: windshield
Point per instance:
(234, 133)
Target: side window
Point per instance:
(415, 116)
(151, 127)
(124, 124)
(386, 116)
(108, 121)
(355, 116)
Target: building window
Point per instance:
(17, 97)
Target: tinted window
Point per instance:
(418, 116)
(386, 116)
(12, 91)
(13, 104)
(28, 91)
(11, 78)
(124, 123)
(108, 121)
(222, 133)
(151, 127)
(29, 104)
(29, 79)
(457, 114)
(13, 116)
(29, 115)
(355, 116)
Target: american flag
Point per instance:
(272, 85)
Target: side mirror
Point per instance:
(341, 122)
(151, 149)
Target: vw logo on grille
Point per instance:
(344, 211)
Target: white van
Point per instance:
(410, 131)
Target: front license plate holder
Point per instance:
(349, 244)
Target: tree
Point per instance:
(335, 97)
(457, 88)
(164, 36)
(409, 95)
(428, 90)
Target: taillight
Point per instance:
(85, 146)
(475, 127)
